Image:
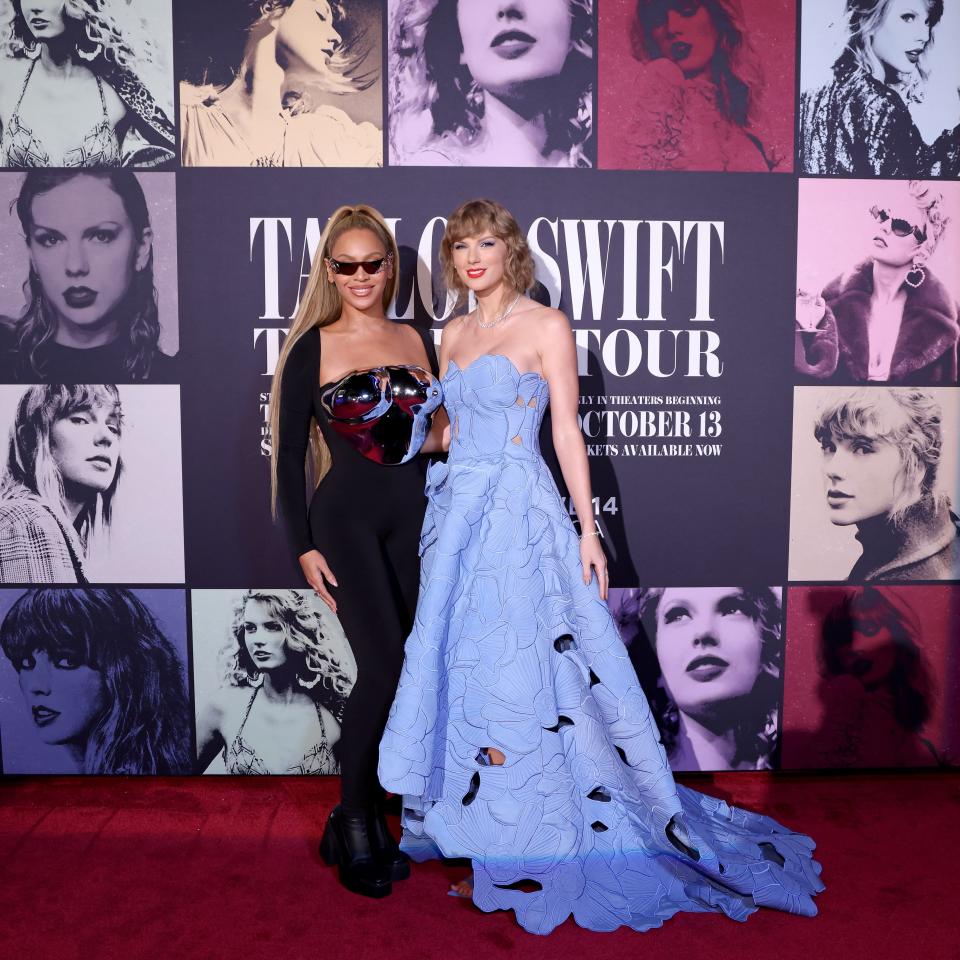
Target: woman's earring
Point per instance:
(89, 55)
(92, 52)
(916, 276)
(32, 50)
(474, 96)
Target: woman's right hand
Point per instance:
(318, 574)
(811, 308)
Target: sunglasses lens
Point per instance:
(349, 268)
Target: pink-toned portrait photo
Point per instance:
(872, 677)
(696, 85)
(878, 281)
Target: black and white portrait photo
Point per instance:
(88, 277)
(272, 673)
(880, 88)
(90, 490)
(86, 83)
(280, 83)
(94, 681)
(476, 83)
(874, 480)
(710, 661)
(877, 297)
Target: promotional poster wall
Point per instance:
(756, 243)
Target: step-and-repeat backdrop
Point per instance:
(748, 209)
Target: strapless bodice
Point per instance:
(385, 412)
(495, 410)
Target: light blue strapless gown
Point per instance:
(510, 649)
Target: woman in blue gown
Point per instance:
(519, 736)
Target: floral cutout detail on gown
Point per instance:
(511, 650)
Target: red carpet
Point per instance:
(104, 869)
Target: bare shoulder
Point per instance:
(549, 324)
(13, 71)
(452, 330)
(227, 701)
(549, 318)
(11, 67)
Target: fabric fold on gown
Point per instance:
(511, 650)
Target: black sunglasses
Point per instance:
(898, 227)
(349, 267)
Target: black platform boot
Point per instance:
(385, 849)
(346, 843)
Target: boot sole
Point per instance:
(330, 854)
(374, 893)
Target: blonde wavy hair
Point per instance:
(103, 22)
(477, 218)
(319, 670)
(929, 201)
(909, 420)
(30, 460)
(864, 19)
(320, 306)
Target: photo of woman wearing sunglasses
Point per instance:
(888, 318)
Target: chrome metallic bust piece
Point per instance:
(384, 412)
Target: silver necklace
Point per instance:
(499, 318)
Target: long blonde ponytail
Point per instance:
(320, 306)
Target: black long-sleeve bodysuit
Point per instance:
(365, 518)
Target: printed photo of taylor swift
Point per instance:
(710, 661)
(871, 679)
(472, 84)
(697, 85)
(86, 84)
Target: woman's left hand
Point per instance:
(592, 558)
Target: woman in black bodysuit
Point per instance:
(356, 392)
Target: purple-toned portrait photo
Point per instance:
(471, 84)
(94, 681)
(710, 661)
(88, 277)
